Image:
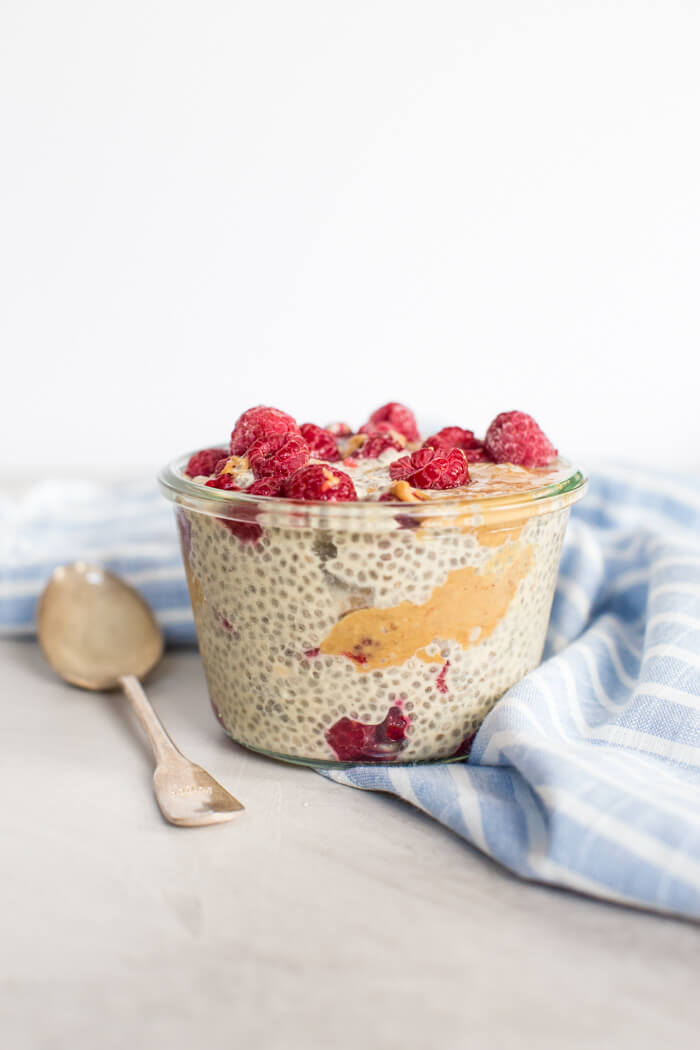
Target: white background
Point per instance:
(471, 207)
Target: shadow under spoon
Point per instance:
(97, 632)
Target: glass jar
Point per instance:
(344, 633)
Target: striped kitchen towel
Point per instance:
(587, 773)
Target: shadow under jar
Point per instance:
(345, 633)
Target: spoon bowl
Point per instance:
(93, 628)
(97, 632)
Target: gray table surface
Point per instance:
(323, 917)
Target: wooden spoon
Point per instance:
(99, 633)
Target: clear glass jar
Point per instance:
(344, 633)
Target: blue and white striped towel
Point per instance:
(587, 773)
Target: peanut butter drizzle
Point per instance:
(379, 638)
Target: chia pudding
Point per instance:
(367, 596)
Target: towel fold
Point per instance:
(587, 773)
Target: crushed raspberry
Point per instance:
(223, 481)
(440, 681)
(318, 482)
(278, 456)
(442, 472)
(219, 466)
(245, 531)
(399, 418)
(378, 443)
(357, 741)
(402, 468)
(339, 430)
(359, 658)
(260, 422)
(465, 747)
(265, 487)
(203, 462)
(451, 437)
(515, 437)
(322, 444)
(311, 653)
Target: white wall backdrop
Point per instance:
(467, 206)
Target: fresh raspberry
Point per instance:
(402, 468)
(318, 482)
(322, 444)
(278, 456)
(203, 462)
(224, 481)
(357, 741)
(339, 430)
(260, 422)
(383, 427)
(515, 437)
(478, 453)
(442, 472)
(451, 437)
(399, 417)
(219, 466)
(378, 443)
(265, 487)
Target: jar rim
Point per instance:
(178, 488)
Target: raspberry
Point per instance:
(318, 482)
(339, 430)
(378, 443)
(399, 417)
(224, 481)
(479, 453)
(515, 437)
(452, 437)
(220, 464)
(278, 456)
(402, 468)
(265, 487)
(382, 427)
(354, 741)
(322, 444)
(442, 472)
(203, 462)
(259, 422)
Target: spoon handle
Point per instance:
(162, 745)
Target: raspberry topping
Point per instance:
(442, 472)
(318, 482)
(378, 443)
(322, 444)
(515, 437)
(224, 481)
(452, 437)
(399, 418)
(260, 422)
(402, 468)
(354, 741)
(265, 487)
(203, 462)
(339, 430)
(278, 456)
(478, 453)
